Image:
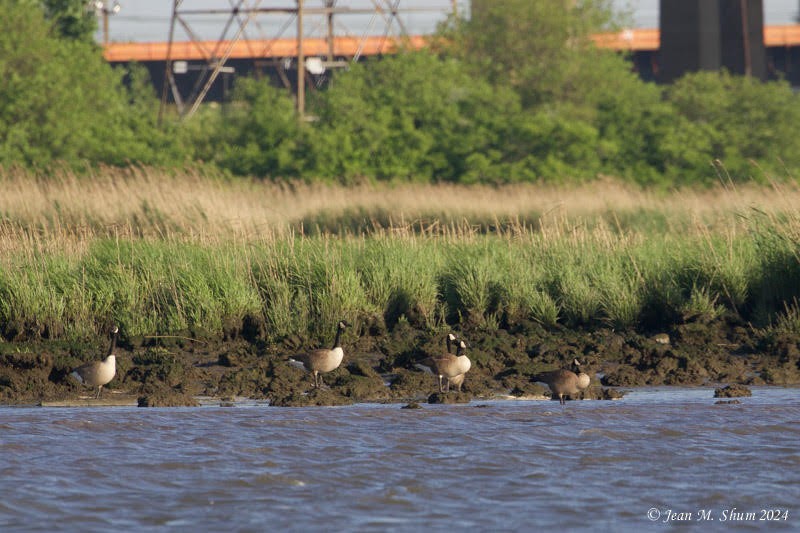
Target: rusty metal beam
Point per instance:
(242, 13)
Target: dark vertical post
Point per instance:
(689, 37)
(710, 35)
(105, 24)
(301, 64)
(168, 63)
(329, 6)
(742, 37)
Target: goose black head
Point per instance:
(343, 324)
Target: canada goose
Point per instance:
(583, 378)
(322, 360)
(465, 365)
(561, 382)
(98, 373)
(427, 365)
(451, 366)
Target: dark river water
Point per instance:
(660, 459)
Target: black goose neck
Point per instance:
(113, 342)
(336, 343)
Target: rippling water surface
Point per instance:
(486, 466)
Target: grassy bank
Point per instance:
(164, 255)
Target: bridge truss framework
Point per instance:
(243, 21)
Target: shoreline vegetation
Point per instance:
(216, 282)
(459, 188)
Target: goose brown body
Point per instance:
(323, 360)
(99, 373)
(452, 367)
(437, 363)
(561, 382)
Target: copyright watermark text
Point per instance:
(732, 514)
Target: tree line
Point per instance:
(516, 93)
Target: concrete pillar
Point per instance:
(709, 35)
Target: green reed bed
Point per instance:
(576, 276)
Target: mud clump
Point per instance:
(315, 397)
(234, 358)
(624, 376)
(358, 382)
(600, 393)
(732, 391)
(27, 376)
(530, 390)
(414, 384)
(157, 369)
(517, 380)
(784, 367)
(361, 382)
(26, 361)
(450, 397)
(612, 394)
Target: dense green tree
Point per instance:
(411, 116)
(752, 127)
(73, 19)
(258, 133)
(541, 49)
(643, 139)
(61, 102)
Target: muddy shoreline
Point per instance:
(379, 365)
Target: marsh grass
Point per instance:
(141, 202)
(163, 254)
(788, 322)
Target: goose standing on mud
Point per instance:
(465, 363)
(428, 365)
(561, 382)
(98, 373)
(322, 360)
(449, 366)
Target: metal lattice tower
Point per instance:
(266, 22)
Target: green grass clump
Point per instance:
(400, 279)
(573, 272)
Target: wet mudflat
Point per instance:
(485, 465)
